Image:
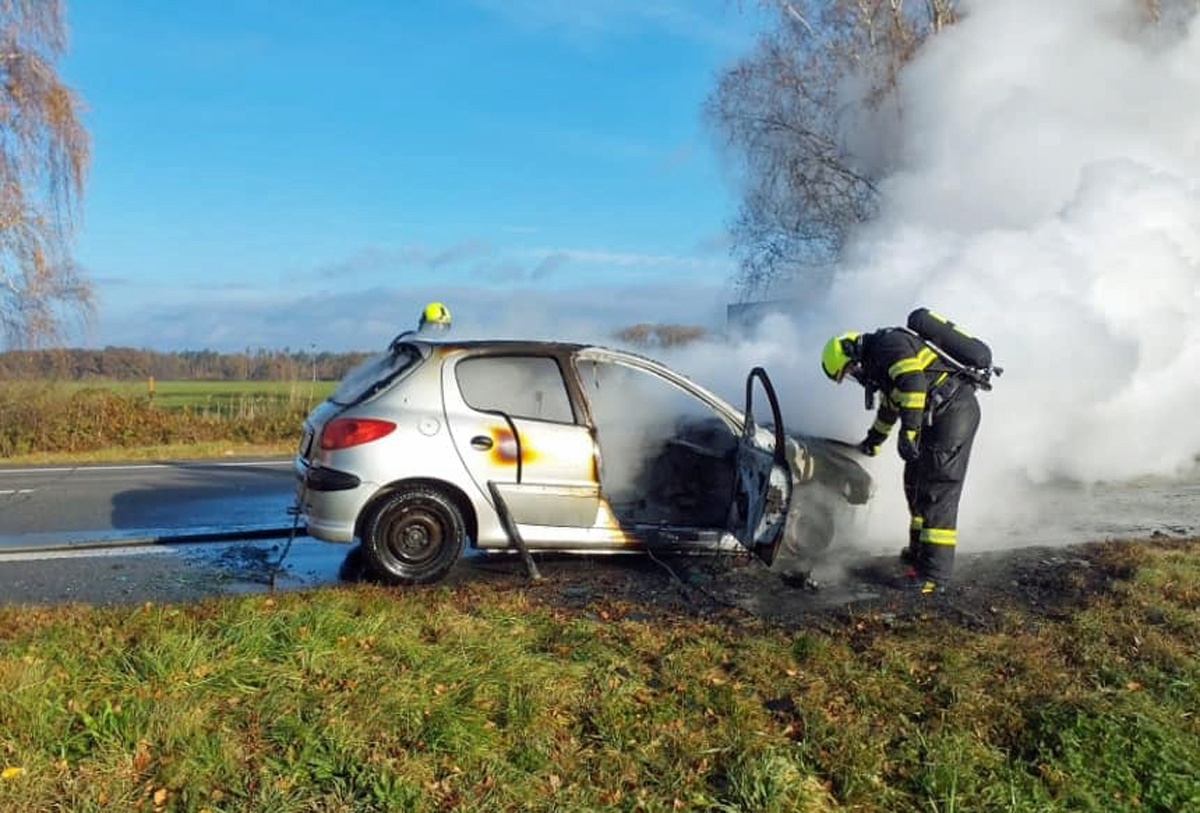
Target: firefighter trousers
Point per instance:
(933, 483)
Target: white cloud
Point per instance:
(366, 319)
(481, 260)
(627, 259)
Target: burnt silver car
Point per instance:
(539, 446)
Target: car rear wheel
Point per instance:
(414, 537)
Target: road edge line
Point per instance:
(160, 539)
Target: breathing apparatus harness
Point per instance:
(969, 358)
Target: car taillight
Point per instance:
(343, 432)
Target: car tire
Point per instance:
(414, 537)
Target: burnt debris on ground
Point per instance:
(1039, 582)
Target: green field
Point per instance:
(498, 697)
(89, 418)
(209, 394)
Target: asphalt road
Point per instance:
(51, 506)
(58, 506)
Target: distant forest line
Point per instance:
(125, 363)
(129, 364)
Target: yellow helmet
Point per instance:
(837, 355)
(435, 316)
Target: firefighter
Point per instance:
(434, 318)
(938, 414)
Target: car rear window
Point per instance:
(375, 374)
(518, 386)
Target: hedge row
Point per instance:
(42, 419)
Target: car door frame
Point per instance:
(510, 473)
(764, 475)
(755, 519)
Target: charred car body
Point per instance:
(557, 447)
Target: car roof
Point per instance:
(514, 345)
(531, 346)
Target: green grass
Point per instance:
(81, 420)
(209, 394)
(480, 698)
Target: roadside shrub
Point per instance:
(39, 418)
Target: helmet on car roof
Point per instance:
(435, 316)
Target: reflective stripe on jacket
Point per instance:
(904, 370)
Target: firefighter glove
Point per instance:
(909, 446)
(870, 445)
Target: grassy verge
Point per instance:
(475, 698)
(47, 419)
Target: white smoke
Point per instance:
(1047, 198)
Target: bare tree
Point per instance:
(787, 113)
(44, 152)
(784, 113)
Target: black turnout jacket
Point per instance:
(906, 372)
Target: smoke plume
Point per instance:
(1045, 197)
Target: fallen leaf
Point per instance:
(1133, 685)
(11, 772)
(160, 797)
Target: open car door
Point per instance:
(763, 490)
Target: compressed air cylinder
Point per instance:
(962, 346)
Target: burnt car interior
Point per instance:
(687, 479)
(666, 459)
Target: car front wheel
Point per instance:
(414, 536)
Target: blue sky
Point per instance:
(271, 174)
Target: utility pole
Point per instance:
(312, 387)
